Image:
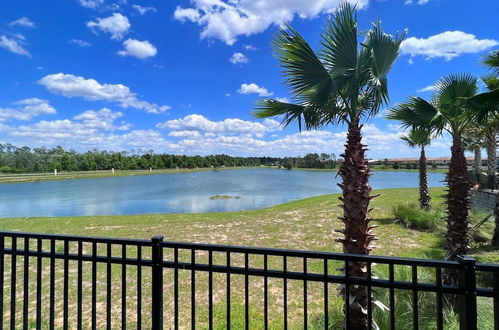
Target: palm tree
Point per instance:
(344, 82)
(421, 138)
(473, 141)
(453, 108)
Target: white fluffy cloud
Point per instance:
(447, 45)
(81, 43)
(254, 89)
(429, 88)
(138, 49)
(92, 4)
(102, 119)
(238, 58)
(74, 86)
(142, 10)
(23, 21)
(116, 25)
(419, 2)
(26, 109)
(199, 123)
(228, 19)
(13, 45)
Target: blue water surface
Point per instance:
(181, 192)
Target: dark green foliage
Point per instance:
(411, 216)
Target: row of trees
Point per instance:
(346, 82)
(26, 160)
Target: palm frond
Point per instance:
(417, 137)
(492, 61)
(451, 88)
(417, 113)
(302, 69)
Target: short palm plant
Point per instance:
(452, 109)
(420, 138)
(345, 82)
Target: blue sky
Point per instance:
(183, 76)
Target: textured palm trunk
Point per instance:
(477, 162)
(458, 206)
(495, 238)
(424, 195)
(358, 237)
(491, 159)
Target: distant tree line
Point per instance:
(28, 160)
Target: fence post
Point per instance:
(467, 302)
(157, 283)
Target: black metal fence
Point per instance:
(56, 281)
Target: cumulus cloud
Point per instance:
(419, 2)
(228, 19)
(81, 43)
(138, 49)
(447, 45)
(116, 25)
(254, 89)
(199, 123)
(26, 109)
(102, 119)
(75, 86)
(142, 10)
(91, 4)
(13, 45)
(23, 21)
(238, 58)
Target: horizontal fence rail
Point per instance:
(58, 281)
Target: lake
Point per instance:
(181, 192)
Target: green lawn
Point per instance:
(305, 224)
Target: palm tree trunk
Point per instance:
(491, 159)
(358, 237)
(458, 206)
(477, 162)
(424, 195)
(495, 238)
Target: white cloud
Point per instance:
(142, 10)
(447, 45)
(227, 20)
(200, 123)
(254, 89)
(102, 119)
(250, 47)
(23, 21)
(238, 58)
(116, 25)
(13, 46)
(81, 43)
(185, 134)
(429, 88)
(419, 2)
(91, 4)
(138, 49)
(26, 110)
(74, 86)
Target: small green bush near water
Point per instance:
(410, 215)
(224, 197)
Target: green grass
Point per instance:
(412, 216)
(305, 224)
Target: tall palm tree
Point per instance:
(420, 138)
(344, 82)
(453, 108)
(473, 141)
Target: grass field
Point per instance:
(305, 224)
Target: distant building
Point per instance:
(438, 161)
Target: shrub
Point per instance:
(410, 215)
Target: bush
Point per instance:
(410, 215)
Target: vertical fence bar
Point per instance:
(123, 286)
(210, 290)
(228, 291)
(438, 282)
(369, 297)
(139, 287)
(157, 283)
(26, 283)
(52, 285)
(496, 299)
(108, 285)
(285, 289)
(305, 296)
(326, 296)
(2, 247)
(391, 278)
(415, 311)
(38, 284)
(80, 286)
(13, 280)
(246, 292)
(467, 302)
(175, 288)
(94, 285)
(347, 294)
(265, 294)
(193, 289)
(65, 284)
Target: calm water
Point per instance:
(180, 193)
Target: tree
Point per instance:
(452, 109)
(344, 82)
(420, 138)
